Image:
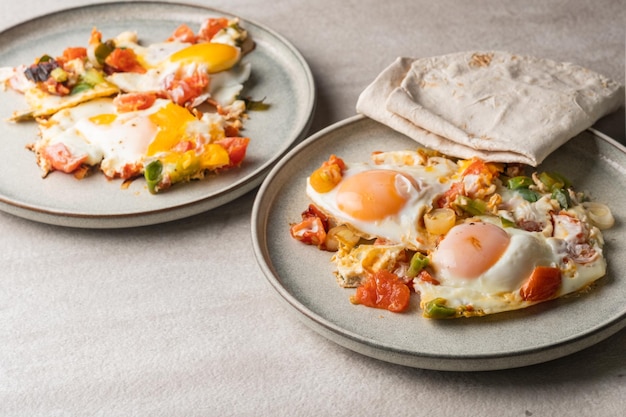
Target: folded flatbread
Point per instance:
(494, 105)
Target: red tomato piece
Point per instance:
(61, 159)
(183, 33)
(211, 26)
(73, 53)
(335, 160)
(124, 60)
(312, 229)
(184, 90)
(130, 171)
(231, 130)
(134, 101)
(425, 276)
(52, 86)
(183, 146)
(236, 148)
(314, 211)
(477, 166)
(383, 290)
(309, 231)
(542, 284)
(450, 195)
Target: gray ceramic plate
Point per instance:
(279, 74)
(302, 275)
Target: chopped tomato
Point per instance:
(450, 195)
(335, 160)
(485, 172)
(183, 146)
(481, 175)
(73, 53)
(313, 228)
(314, 211)
(183, 33)
(478, 166)
(542, 284)
(211, 26)
(124, 60)
(62, 90)
(61, 159)
(309, 231)
(184, 90)
(54, 87)
(130, 170)
(134, 101)
(425, 276)
(230, 130)
(383, 290)
(236, 148)
(327, 176)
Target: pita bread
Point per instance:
(495, 105)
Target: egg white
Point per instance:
(404, 226)
(543, 234)
(498, 288)
(224, 86)
(115, 145)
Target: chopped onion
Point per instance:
(599, 214)
(439, 221)
(340, 233)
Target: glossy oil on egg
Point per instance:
(484, 266)
(385, 201)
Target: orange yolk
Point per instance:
(217, 56)
(470, 249)
(172, 121)
(373, 195)
(103, 119)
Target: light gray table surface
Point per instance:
(177, 319)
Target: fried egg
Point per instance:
(166, 60)
(470, 238)
(41, 103)
(387, 199)
(121, 143)
(480, 268)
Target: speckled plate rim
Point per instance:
(269, 208)
(114, 208)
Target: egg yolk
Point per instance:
(172, 121)
(216, 56)
(373, 195)
(103, 119)
(470, 249)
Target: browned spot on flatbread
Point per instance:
(481, 60)
(428, 84)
